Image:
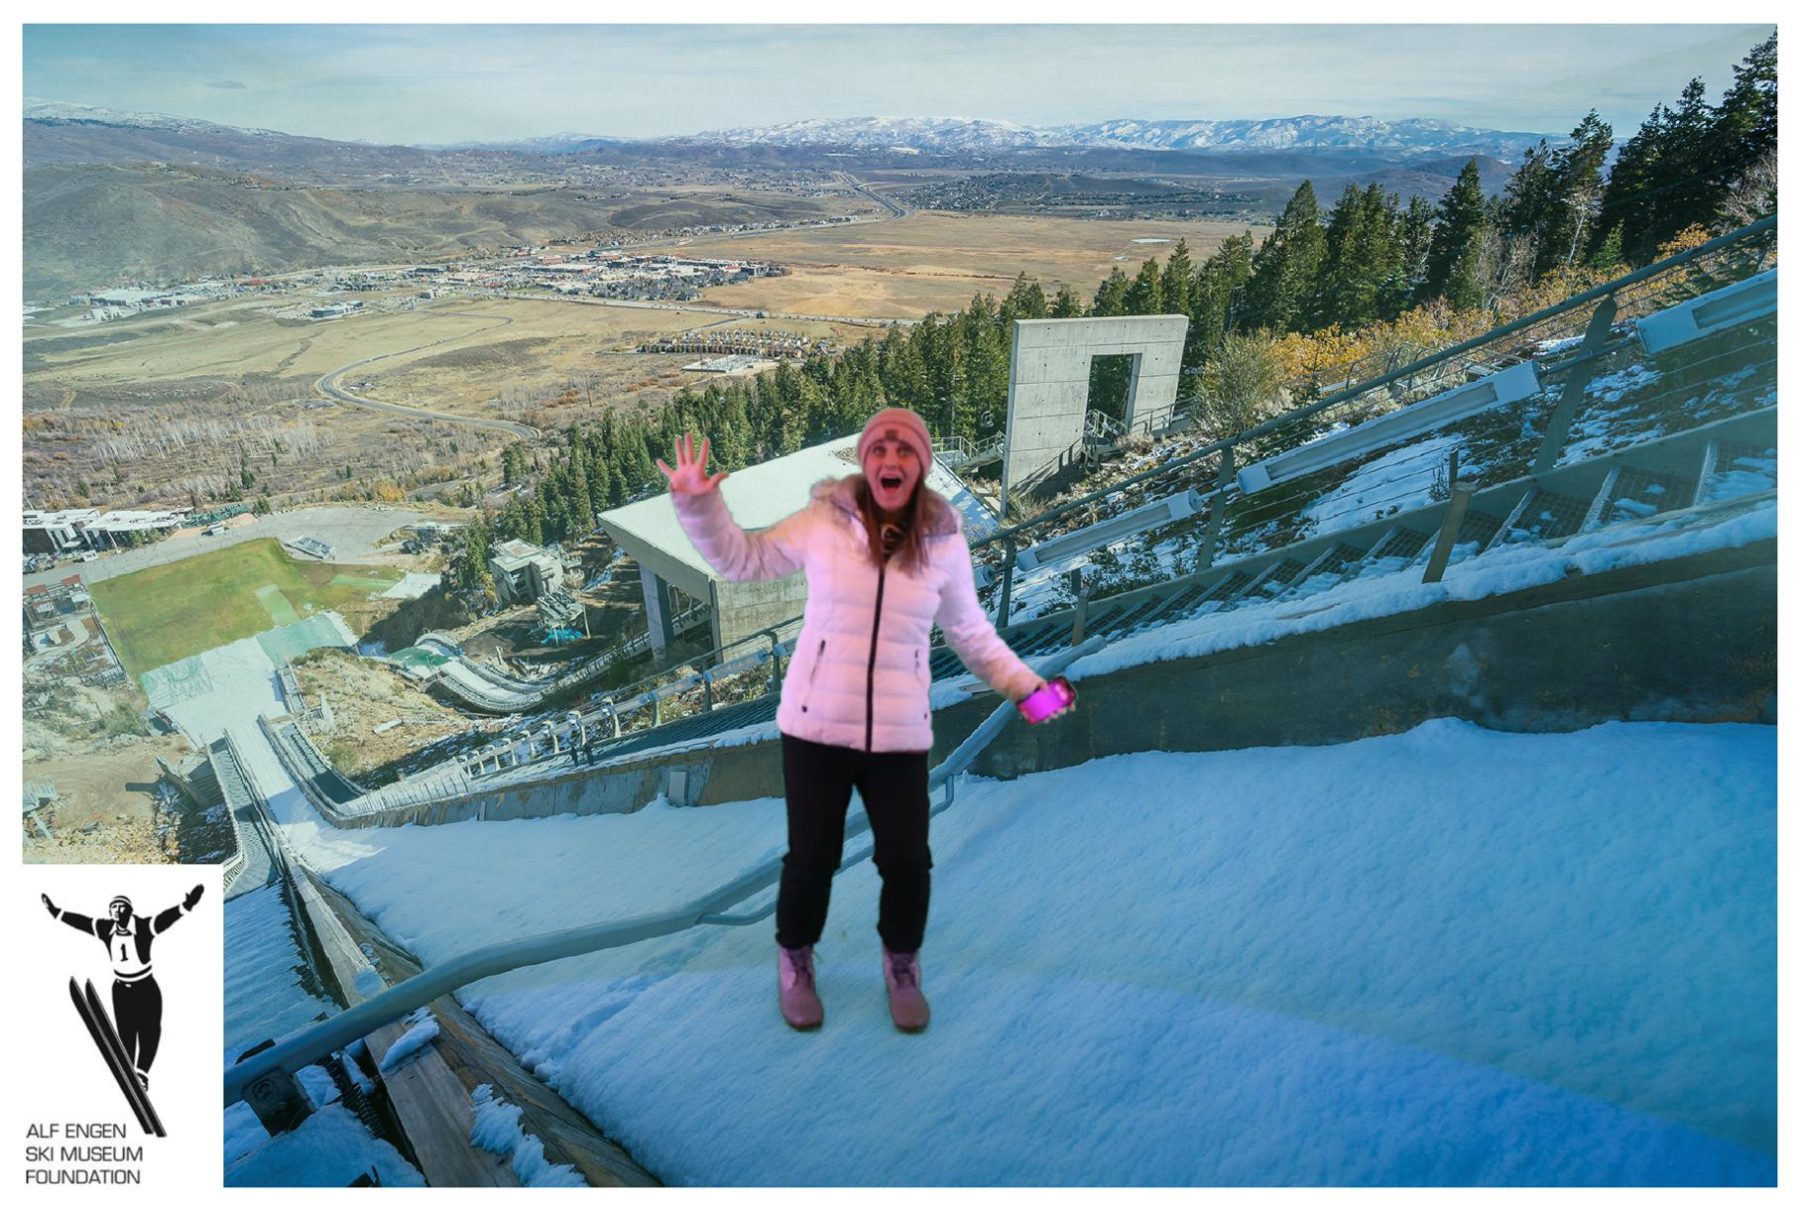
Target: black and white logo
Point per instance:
(129, 1036)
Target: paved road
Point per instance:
(751, 313)
(352, 529)
(327, 386)
(894, 209)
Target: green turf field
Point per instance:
(180, 609)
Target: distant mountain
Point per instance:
(1309, 131)
(58, 133)
(544, 145)
(111, 195)
(1410, 136)
(64, 112)
(884, 134)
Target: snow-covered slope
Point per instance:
(1450, 956)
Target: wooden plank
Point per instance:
(476, 1059)
(432, 1105)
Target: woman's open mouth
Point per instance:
(892, 481)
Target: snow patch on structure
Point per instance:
(1395, 483)
(1505, 569)
(497, 1130)
(420, 1034)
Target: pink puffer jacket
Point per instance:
(861, 669)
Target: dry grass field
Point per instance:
(937, 260)
(153, 406)
(168, 407)
(552, 345)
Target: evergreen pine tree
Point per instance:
(1626, 206)
(1609, 255)
(1109, 297)
(1144, 296)
(1216, 298)
(1456, 242)
(1528, 207)
(1178, 281)
(1285, 271)
(1025, 301)
(1576, 188)
(1743, 139)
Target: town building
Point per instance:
(58, 532)
(68, 531)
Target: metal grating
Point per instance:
(1132, 617)
(1740, 470)
(1484, 528)
(1641, 493)
(1548, 515)
(1343, 562)
(1273, 584)
(946, 663)
(1174, 605)
(1224, 589)
(1406, 544)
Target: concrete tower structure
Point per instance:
(1046, 402)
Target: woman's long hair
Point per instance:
(909, 554)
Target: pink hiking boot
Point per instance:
(800, 1003)
(906, 1003)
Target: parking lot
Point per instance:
(352, 531)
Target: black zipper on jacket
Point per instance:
(869, 727)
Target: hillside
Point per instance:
(90, 226)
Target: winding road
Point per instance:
(327, 385)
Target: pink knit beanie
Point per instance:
(903, 423)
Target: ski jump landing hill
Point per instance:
(1566, 520)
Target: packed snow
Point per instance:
(263, 971)
(1449, 956)
(331, 1148)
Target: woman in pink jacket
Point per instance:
(884, 558)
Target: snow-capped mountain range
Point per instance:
(65, 111)
(1309, 132)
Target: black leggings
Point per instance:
(893, 789)
(137, 1012)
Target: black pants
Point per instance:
(893, 788)
(137, 1012)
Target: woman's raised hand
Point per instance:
(689, 475)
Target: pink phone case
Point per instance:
(1041, 704)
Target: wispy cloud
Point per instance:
(226, 84)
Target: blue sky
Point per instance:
(428, 84)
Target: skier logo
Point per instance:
(129, 1048)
